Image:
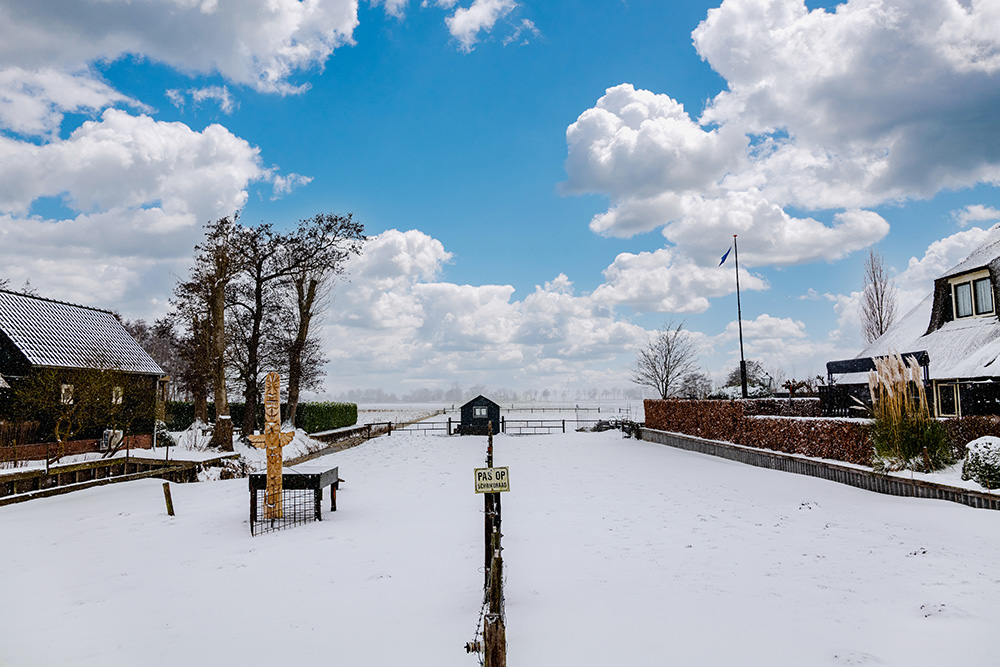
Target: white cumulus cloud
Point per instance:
(259, 43)
(399, 313)
(467, 23)
(878, 101)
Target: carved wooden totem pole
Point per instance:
(272, 441)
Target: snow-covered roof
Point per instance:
(960, 349)
(980, 257)
(966, 348)
(64, 335)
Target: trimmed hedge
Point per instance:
(729, 421)
(315, 417)
(310, 417)
(738, 422)
(783, 407)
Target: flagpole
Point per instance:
(739, 319)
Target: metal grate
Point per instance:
(298, 506)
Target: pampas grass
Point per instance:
(903, 433)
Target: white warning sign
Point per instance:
(492, 480)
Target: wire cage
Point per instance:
(298, 506)
(301, 498)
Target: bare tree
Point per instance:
(878, 299)
(215, 266)
(318, 250)
(256, 322)
(669, 356)
(696, 385)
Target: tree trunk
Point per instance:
(200, 396)
(222, 435)
(305, 289)
(250, 390)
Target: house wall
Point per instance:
(139, 400)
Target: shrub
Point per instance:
(902, 430)
(310, 417)
(982, 462)
(315, 417)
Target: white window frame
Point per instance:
(975, 296)
(953, 387)
(971, 280)
(66, 394)
(480, 412)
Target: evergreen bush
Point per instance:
(982, 462)
(310, 417)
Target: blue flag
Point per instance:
(726, 256)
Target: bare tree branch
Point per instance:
(878, 300)
(665, 360)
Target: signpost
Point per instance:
(491, 482)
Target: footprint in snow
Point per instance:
(929, 610)
(856, 658)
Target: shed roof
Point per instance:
(481, 399)
(64, 335)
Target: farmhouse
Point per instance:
(73, 348)
(954, 333)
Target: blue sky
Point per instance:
(546, 182)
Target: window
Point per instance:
(973, 296)
(984, 296)
(963, 300)
(66, 396)
(479, 412)
(117, 394)
(947, 400)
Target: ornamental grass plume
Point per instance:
(903, 432)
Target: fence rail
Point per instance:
(511, 426)
(422, 427)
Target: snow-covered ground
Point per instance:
(617, 552)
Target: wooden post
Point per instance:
(488, 509)
(166, 497)
(494, 641)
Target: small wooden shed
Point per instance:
(477, 414)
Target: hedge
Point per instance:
(739, 422)
(310, 417)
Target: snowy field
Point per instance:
(617, 552)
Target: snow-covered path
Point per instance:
(617, 552)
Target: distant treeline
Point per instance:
(310, 417)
